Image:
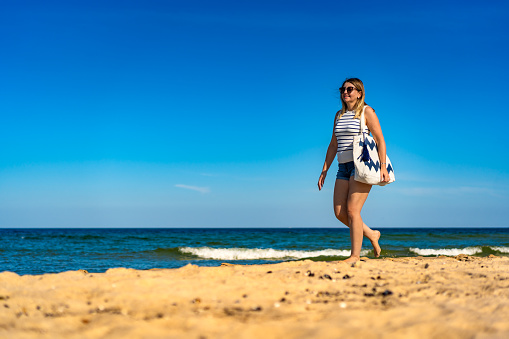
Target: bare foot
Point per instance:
(351, 260)
(374, 242)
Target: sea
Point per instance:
(44, 250)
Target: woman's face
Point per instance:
(349, 93)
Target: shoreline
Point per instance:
(416, 297)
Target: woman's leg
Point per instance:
(357, 195)
(340, 199)
(341, 190)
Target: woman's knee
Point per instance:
(353, 213)
(342, 216)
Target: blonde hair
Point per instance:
(359, 105)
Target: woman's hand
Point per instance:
(321, 180)
(384, 175)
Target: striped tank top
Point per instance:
(345, 129)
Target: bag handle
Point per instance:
(363, 123)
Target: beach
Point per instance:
(418, 297)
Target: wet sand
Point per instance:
(444, 297)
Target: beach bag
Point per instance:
(365, 158)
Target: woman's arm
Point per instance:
(329, 157)
(374, 126)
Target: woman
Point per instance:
(350, 195)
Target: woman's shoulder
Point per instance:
(368, 109)
(369, 112)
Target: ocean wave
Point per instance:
(446, 251)
(259, 253)
(500, 249)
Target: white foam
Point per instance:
(500, 249)
(447, 251)
(259, 253)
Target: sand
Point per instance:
(444, 297)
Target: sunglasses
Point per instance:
(349, 89)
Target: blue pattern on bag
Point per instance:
(365, 157)
(371, 145)
(389, 168)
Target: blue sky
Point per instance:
(218, 114)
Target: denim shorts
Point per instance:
(346, 170)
